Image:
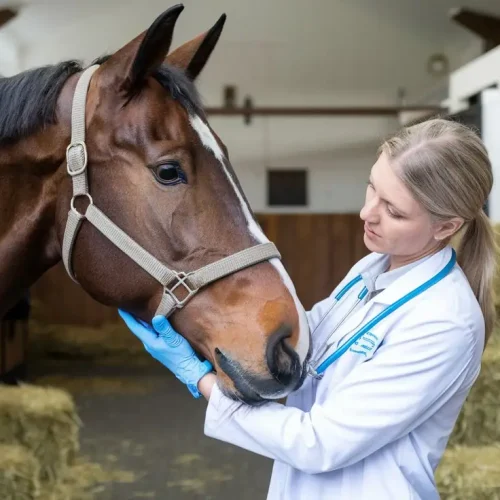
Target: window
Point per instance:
(287, 187)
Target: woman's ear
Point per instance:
(444, 230)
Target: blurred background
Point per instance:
(302, 93)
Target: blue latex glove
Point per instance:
(169, 348)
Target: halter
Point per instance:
(190, 283)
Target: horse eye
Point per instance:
(169, 173)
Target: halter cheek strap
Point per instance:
(173, 281)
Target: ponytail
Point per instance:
(476, 255)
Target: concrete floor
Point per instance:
(150, 431)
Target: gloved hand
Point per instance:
(169, 348)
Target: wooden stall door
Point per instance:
(317, 250)
(13, 340)
(59, 300)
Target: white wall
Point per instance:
(9, 55)
(266, 45)
(281, 52)
(481, 76)
(490, 101)
(337, 152)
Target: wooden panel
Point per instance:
(317, 250)
(57, 299)
(341, 241)
(14, 340)
(2, 353)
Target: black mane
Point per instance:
(28, 100)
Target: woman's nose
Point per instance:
(369, 212)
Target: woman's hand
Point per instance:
(173, 351)
(206, 384)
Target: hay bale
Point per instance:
(44, 420)
(19, 473)
(470, 473)
(479, 420)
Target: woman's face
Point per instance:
(395, 223)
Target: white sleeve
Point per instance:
(409, 377)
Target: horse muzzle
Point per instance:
(285, 372)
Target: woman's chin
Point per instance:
(371, 245)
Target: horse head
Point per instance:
(160, 174)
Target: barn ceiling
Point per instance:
(356, 45)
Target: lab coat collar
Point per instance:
(419, 273)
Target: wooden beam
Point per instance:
(487, 26)
(322, 111)
(6, 15)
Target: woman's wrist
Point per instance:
(206, 384)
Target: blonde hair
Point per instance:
(446, 167)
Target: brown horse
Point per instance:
(160, 173)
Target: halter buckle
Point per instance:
(180, 280)
(70, 160)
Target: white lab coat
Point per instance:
(376, 426)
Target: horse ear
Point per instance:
(134, 62)
(193, 55)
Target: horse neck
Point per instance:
(30, 178)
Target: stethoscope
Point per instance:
(328, 344)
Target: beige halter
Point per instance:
(76, 156)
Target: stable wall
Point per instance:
(338, 154)
(479, 79)
(281, 53)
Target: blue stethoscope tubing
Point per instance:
(388, 310)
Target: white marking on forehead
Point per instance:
(208, 140)
(206, 136)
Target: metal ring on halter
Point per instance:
(91, 202)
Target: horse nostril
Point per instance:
(282, 360)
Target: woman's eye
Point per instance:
(394, 215)
(169, 173)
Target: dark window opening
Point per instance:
(287, 188)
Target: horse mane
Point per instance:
(28, 100)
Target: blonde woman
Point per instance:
(397, 345)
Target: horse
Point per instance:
(115, 169)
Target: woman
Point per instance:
(376, 424)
